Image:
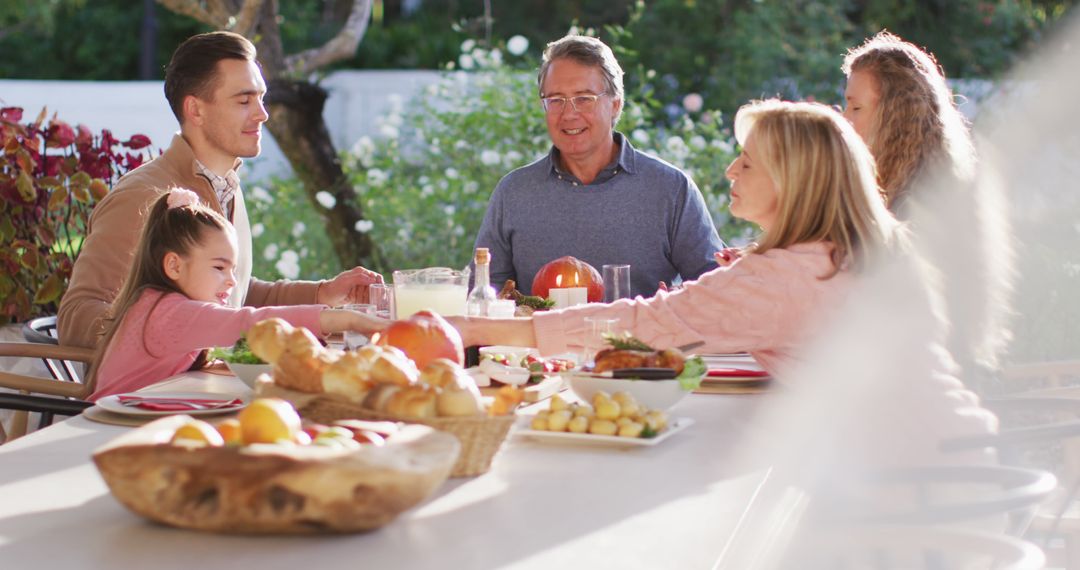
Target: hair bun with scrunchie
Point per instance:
(182, 197)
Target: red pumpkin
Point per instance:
(566, 272)
(424, 337)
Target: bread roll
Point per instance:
(301, 365)
(368, 353)
(379, 395)
(302, 372)
(388, 368)
(441, 372)
(267, 338)
(348, 377)
(457, 401)
(416, 401)
(300, 340)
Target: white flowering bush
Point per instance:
(425, 180)
(288, 240)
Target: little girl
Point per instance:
(173, 304)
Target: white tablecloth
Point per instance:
(541, 506)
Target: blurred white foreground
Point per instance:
(865, 401)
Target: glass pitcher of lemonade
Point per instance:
(439, 289)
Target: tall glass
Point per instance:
(616, 282)
(439, 289)
(596, 331)
(382, 296)
(353, 339)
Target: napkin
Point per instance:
(165, 404)
(736, 373)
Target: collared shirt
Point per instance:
(639, 211)
(623, 162)
(224, 186)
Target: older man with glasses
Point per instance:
(594, 196)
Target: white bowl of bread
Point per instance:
(376, 382)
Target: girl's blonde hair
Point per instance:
(825, 180)
(917, 124)
(176, 229)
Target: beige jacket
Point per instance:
(113, 235)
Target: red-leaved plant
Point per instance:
(50, 179)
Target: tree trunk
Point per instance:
(148, 41)
(297, 124)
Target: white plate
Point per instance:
(112, 404)
(674, 426)
(731, 361)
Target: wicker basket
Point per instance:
(480, 436)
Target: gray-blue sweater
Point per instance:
(640, 210)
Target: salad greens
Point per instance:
(536, 303)
(239, 353)
(693, 371)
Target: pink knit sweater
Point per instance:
(764, 304)
(156, 342)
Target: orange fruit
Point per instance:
(230, 431)
(198, 431)
(268, 420)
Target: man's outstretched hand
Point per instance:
(348, 287)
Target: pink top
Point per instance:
(156, 342)
(764, 304)
(774, 306)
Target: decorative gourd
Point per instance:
(566, 272)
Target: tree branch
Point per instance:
(193, 9)
(247, 18)
(221, 11)
(342, 46)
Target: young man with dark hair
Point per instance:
(215, 88)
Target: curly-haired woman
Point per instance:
(900, 104)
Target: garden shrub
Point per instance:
(51, 175)
(424, 182)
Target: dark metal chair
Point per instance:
(63, 394)
(42, 330)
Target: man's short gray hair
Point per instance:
(588, 51)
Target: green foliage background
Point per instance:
(425, 183)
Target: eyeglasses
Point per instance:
(580, 103)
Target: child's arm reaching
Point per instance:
(181, 325)
(341, 320)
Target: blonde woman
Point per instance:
(899, 103)
(807, 180)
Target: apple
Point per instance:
(424, 337)
(565, 272)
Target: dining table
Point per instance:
(542, 505)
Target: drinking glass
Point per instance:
(382, 296)
(616, 282)
(354, 340)
(596, 328)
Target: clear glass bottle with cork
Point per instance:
(483, 295)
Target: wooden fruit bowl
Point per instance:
(274, 489)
